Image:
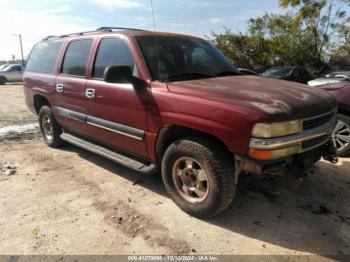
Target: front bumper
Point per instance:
(305, 140)
(312, 144)
(295, 165)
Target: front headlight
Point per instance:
(268, 130)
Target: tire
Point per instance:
(49, 128)
(2, 80)
(218, 167)
(341, 135)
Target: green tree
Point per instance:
(310, 34)
(244, 50)
(322, 18)
(340, 55)
(289, 43)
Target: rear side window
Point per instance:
(76, 57)
(112, 51)
(16, 68)
(43, 56)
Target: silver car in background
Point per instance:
(331, 78)
(11, 73)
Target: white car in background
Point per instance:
(331, 78)
(11, 73)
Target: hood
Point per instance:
(280, 100)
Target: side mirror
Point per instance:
(122, 75)
(118, 74)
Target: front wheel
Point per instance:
(49, 128)
(2, 80)
(341, 135)
(199, 176)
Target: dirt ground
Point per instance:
(70, 201)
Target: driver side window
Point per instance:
(112, 51)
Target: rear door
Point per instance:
(116, 113)
(71, 84)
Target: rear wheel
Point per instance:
(49, 128)
(199, 176)
(341, 135)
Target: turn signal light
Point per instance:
(273, 154)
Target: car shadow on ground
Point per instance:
(312, 215)
(151, 182)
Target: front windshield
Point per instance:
(277, 72)
(2, 67)
(181, 58)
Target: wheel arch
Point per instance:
(4, 77)
(171, 133)
(39, 101)
(344, 110)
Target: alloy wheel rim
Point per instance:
(47, 127)
(341, 135)
(190, 180)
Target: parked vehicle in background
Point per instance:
(2, 67)
(294, 74)
(341, 133)
(331, 78)
(12, 73)
(247, 72)
(160, 101)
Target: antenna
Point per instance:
(153, 17)
(155, 38)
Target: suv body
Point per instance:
(294, 74)
(153, 101)
(11, 73)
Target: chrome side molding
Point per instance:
(121, 129)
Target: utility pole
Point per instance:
(20, 43)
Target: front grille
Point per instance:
(317, 121)
(314, 142)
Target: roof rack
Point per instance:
(98, 30)
(110, 29)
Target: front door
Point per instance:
(70, 87)
(116, 113)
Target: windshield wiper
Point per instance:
(228, 73)
(189, 76)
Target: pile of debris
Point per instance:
(7, 168)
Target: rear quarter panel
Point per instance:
(38, 84)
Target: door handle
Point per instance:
(90, 93)
(60, 88)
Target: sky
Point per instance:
(35, 19)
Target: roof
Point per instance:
(122, 30)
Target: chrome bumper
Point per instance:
(297, 139)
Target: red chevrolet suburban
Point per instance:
(159, 101)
